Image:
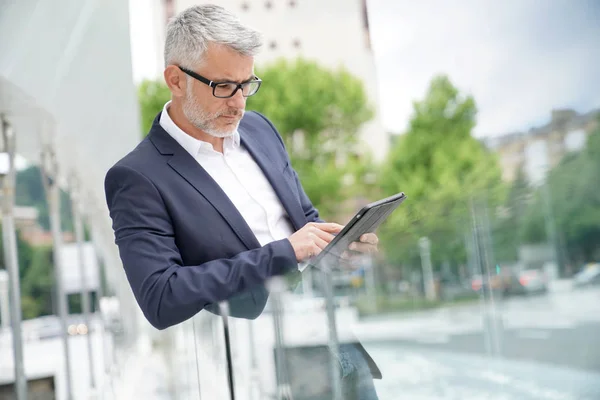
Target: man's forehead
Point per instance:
(224, 63)
(217, 53)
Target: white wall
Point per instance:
(72, 60)
(66, 77)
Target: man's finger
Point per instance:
(328, 237)
(363, 247)
(318, 241)
(330, 227)
(369, 238)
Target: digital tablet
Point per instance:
(365, 221)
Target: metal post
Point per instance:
(425, 249)
(492, 320)
(334, 345)
(11, 260)
(104, 328)
(370, 281)
(307, 283)
(50, 177)
(4, 300)
(85, 293)
(224, 310)
(550, 224)
(277, 286)
(256, 390)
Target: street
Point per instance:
(577, 347)
(540, 347)
(426, 374)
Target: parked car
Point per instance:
(512, 280)
(589, 276)
(526, 281)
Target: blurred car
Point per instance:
(488, 283)
(588, 276)
(526, 281)
(512, 280)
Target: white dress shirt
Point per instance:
(242, 180)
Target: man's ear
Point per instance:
(175, 79)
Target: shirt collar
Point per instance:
(189, 143)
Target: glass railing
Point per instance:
(435, 329)
(452, 319)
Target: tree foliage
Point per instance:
(572, 200)
(318, 112)
(36, 277)
(152, 96)
(507, 224)
(441, 167)
(30, 192)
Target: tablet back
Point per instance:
(366, 220)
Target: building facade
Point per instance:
(541, 148)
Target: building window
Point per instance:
(245, 6)
(269, 5)
(296, 43)
(273, 45)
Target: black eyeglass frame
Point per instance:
(214, 85)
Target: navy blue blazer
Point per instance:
(183, 244)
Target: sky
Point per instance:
(518, 58)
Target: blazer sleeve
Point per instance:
(167, 291)
(311, 213)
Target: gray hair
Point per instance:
(190, 32)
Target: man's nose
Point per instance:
(237, 100)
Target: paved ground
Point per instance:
(424, 374)
(576, 347)
(542, 347)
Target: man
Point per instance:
(208, 207)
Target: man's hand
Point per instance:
(313, 238)
(367, 245)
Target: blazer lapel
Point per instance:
(276, 178)
(186, 166)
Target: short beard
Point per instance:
(205, 121)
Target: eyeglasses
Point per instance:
(224, 90)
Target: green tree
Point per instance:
(152, 96)
(318, 113)
(37, 285)
(572, 200)
(29, 191)
(441, 167)
(36, 277)
(508, 225)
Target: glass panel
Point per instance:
(209, 350)
(495, 321)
